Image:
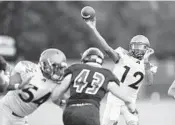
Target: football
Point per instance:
(88, 12)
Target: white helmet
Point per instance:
(138, 46)
(53, 63)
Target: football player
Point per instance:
(88, 83)
(132, 68)
(42, 79)
(4, 77)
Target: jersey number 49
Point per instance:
(80, 82)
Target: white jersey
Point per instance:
(36, 92)
(130, 71)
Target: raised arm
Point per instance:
(150, 69)
(101, 41)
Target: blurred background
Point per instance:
(27, 28)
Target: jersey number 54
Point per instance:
(30, 98)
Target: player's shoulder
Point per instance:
(108, 72)
(121, 50)
(72, 68)
(75, 66)
(25, 66)
(26, 63)
(111, 77)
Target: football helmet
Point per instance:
(138, 46)
(92, 55)
(52, 64)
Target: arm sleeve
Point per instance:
(112, 78)
(25, 69)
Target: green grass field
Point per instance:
(151, 113)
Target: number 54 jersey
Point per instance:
(130, 71)
(36, 92)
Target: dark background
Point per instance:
(39, 25)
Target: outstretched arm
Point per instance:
(118, 92)
(115, 90)
(59, 91)
(101, 41)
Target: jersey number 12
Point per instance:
(135, 84)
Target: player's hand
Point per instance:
(135, 112)
(62, 102)
(91, 22)
(148, 53)
(131, 107)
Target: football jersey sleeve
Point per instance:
(113, 78)
(120, 51)
(25, 69)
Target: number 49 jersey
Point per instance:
(130, 72)
(36, 92)
(88, 83)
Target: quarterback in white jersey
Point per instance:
(131, 67)
(42, 80)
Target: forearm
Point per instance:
(149, 77)
(150, 71)
(100, 40)
(103, 44)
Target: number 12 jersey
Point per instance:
(130, 71)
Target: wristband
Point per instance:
(16, 86)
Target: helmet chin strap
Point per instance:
(134, 55)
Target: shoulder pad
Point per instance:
(25, 69)
(121, 51)
(25, 66)
(70, 69)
